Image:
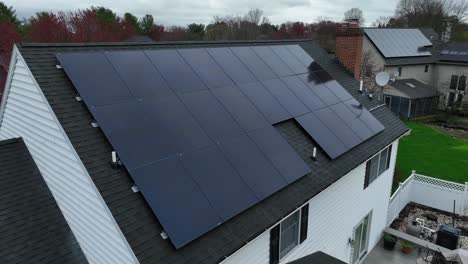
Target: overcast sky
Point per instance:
(183, 12)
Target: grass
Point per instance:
(432, 153)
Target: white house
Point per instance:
(337, 203)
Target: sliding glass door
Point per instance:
(361, 239)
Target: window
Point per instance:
(289, 234)
(462, 83)
(426, 68)
(286, 236)
(454, 82)
(400, 71)
(377, 165)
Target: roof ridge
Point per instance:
(157, 43)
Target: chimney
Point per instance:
(348, 49)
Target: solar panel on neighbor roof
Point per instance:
(393, 42)
(203, 118)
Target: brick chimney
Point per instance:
(348, 48)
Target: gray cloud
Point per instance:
(182, 12)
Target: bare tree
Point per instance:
(354, 13)
(381, 22)
(430, 13)
(369, 70)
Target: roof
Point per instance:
(404, 88)
(454, 52)
(399, 42)
(317, 258)
(32, 227)
(134, 216)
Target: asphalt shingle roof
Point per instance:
(132, 213)
(32, 227)
(420, 90)
(317, 258)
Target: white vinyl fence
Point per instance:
(431, 192)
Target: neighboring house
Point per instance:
(32, 227)
(339, 207)
(451, 72)
(411, 53)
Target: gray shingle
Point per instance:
(134, 216)
(32, 227)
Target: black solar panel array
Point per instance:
(194, 126)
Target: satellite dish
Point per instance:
(396, 74)
(382, 78)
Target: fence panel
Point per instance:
(431, 192)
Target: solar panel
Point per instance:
(367, 118)
(352, 121)
(303, 92)
(265, 102)
(270, 58)
(132, 134)
(253, 63)
(319, 89)
(286, 97)
(289, 59)
(195, 124)
(223, 187)
(256, 170)
(138, 73)
(94, 77)
(211, 115)
(205, 66)
(231, 65)
(300, 54)
(338, 90)
(338, 127)
(177, 201)
(240, 107)
(281, 154)
(175, 70)
(322, 135)
(394, 42)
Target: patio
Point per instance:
(379, 255)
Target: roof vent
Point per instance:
(135, 189)
(411, 85)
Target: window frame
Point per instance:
(369, 165)
(454, 83)
(426, 68)
(400, 71)
(299, 212)
(461, 86)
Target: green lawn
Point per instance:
(432, 153)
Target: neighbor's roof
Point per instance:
(454, 52)
(399, 42)
(32, 227)
(404, 88)
(132, 213)
(317, 258)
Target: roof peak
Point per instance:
(157, 43)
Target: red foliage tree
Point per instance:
(85, 26)
(9, 37)
(157, 32)
(48, 27)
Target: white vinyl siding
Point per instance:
(333, 215)
(26, 113)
